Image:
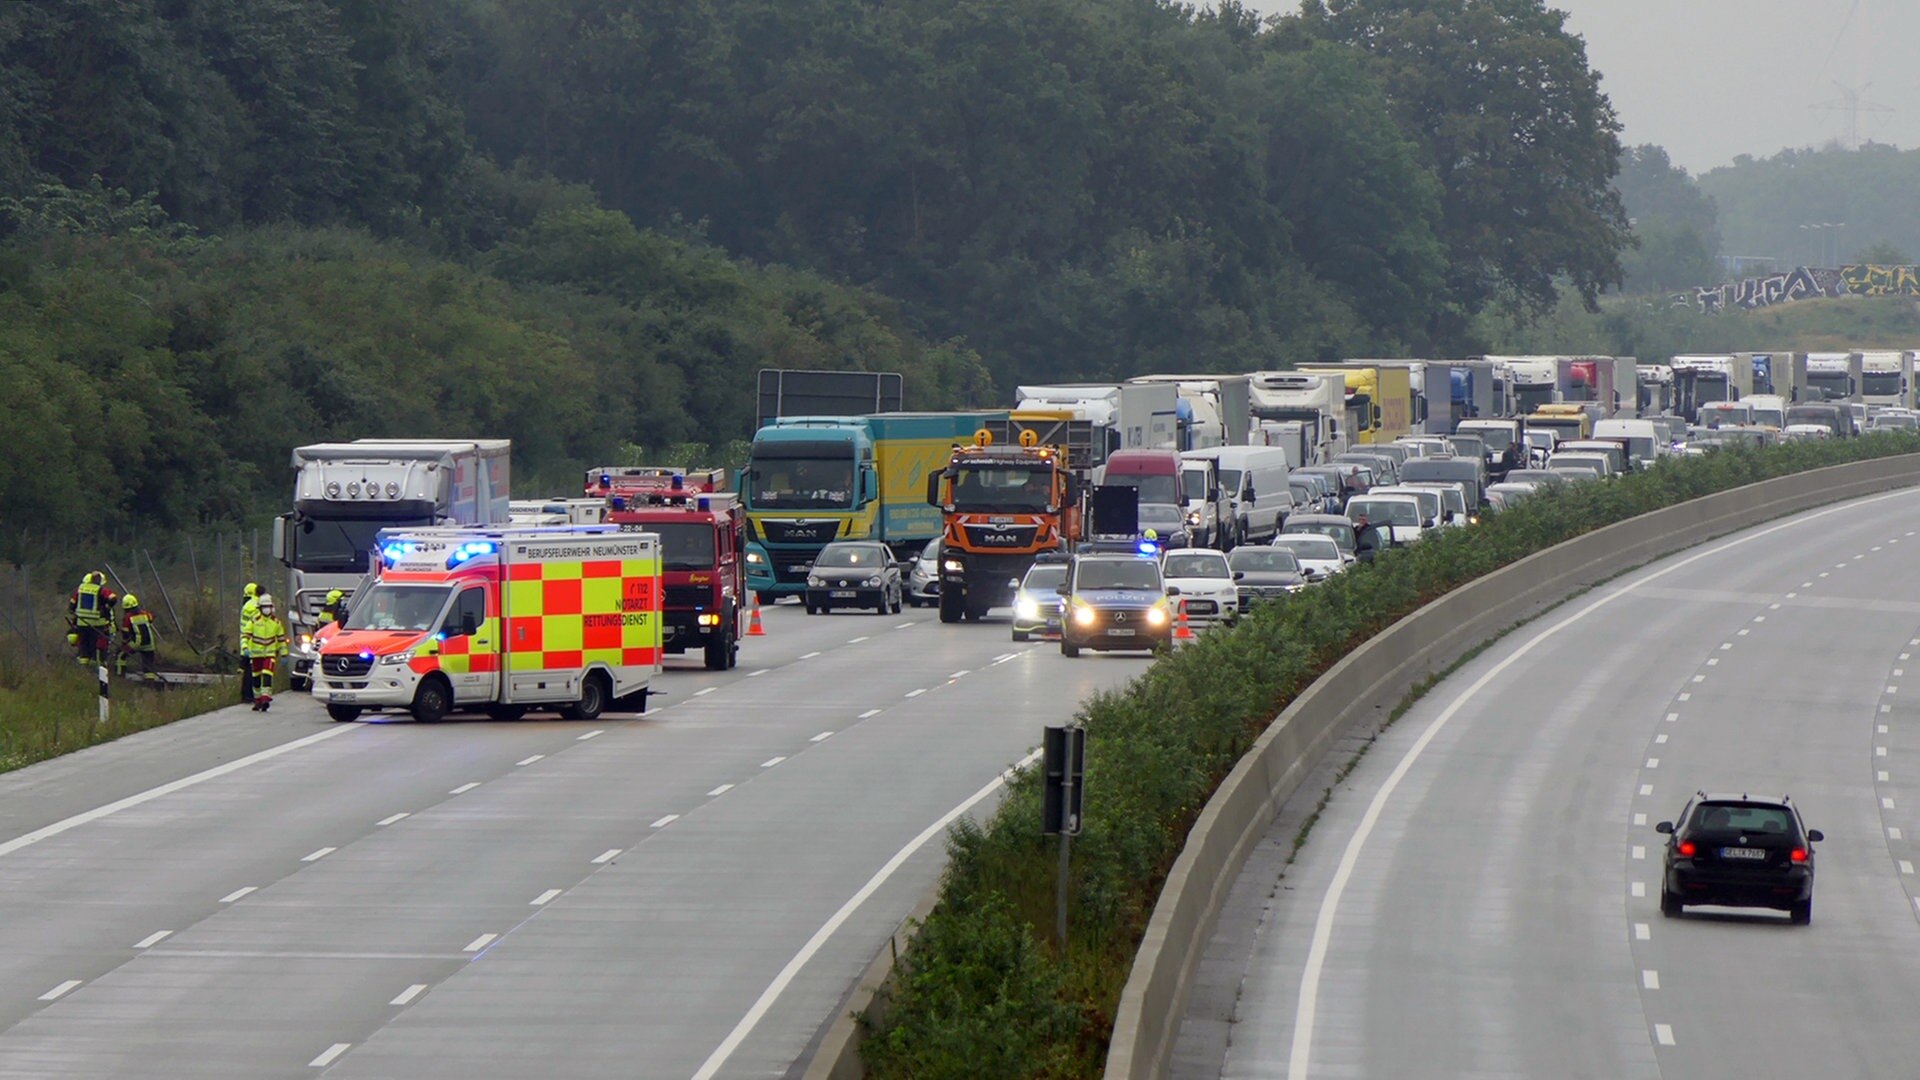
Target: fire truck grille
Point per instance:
(689, 596)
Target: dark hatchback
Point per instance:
(1739, 851)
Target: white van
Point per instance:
(1433, 507)
(1253, 479)
(1397, 517)
(1645, 440)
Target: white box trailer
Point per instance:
(1127, 416)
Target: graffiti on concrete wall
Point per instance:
(1803, 283)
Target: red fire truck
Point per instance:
(703, 545)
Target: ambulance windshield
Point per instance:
(414, 608)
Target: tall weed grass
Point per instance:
(52, 708)
(984, 992)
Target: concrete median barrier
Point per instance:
(1369, 682)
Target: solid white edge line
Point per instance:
(152, 939)
(772, 993)
(1307, 1003)
(60, 990)
(328, 1055)
(406, 996)
(480, 942)
(169, 788)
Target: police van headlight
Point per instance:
(1026, 608)
(396, 659)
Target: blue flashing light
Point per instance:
(705, 504)
(679, 481)
(606, 479)
(619, 502)
(469, 550)
(1148, 547)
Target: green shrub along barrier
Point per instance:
(983, 991)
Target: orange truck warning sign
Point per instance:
(501, 622)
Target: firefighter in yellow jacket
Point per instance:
(266, 643)
(138, 640)
(248, 609)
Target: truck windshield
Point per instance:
(398, 607)
(1834, 384)
(1769, 418)
(684, 545)
(1004, 488)
(1496, 438)
(1386, 511)
(1881, 383)
(334, 545)
(1530, 397)
(1152, 489)
(809, 483)
(1193, 485)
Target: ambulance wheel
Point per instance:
(507, 713)
(344, 713)
(432, 701)
(593, 699)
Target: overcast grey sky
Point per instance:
(1712, 79)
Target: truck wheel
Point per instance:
(593, 699)
(951, 607)
(432, 701)
(344, 713)
(720, 651)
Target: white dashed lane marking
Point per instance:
(152, 939)
(60, 991)
(406, 996)
(1664, 1034)
(1650, 979)
(329, 1055)
(480, 942)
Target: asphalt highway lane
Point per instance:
(1481, 897)
(484, 899)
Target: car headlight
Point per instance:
(814, 580)
(1157, 615)
(955, 565)
(1026, 608)
(1083, 615)
(873, 582)
(395, 659)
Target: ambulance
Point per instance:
(500, 621)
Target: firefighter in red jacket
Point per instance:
(138, 640)
(266, 643)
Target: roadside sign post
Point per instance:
(1064, 760)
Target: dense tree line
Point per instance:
(229, 226)
(1765, 201)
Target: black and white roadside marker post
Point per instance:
(1064, 760)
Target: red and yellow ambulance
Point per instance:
(500, 621)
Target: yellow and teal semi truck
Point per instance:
(811, 480)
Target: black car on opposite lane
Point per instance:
(1739, 851)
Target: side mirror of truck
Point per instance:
(933, 489)
(1064, 590)
(282, 534)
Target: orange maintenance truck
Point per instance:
(1002, 506)
(500, 621)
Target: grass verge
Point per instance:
(49, 709)
(983, 991)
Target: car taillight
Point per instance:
(1685, 849)
(1799, 854)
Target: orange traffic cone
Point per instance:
(1181, 630)
(754, 629)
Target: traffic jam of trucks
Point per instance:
(452, 596)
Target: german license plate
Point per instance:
(843, 594)
(1118, 632)
(339, 698)
(799, 568)
(1743, 853)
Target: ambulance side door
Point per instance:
(470, 634)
